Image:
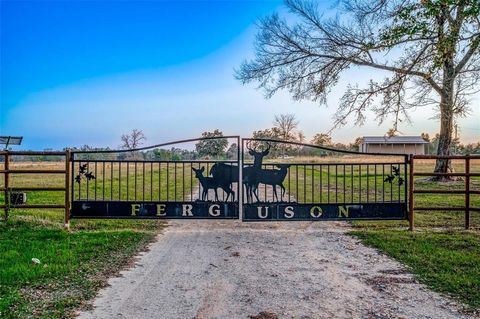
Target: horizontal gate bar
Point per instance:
(34, 189)
(462, 209)
(33, 171)
(445, 174)
(443, 191)
(33, 206)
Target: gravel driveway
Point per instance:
(229, 269)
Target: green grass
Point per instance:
(448, 262)
(74, 264)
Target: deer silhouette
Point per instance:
(274, 177)
(211, 183)
(227, 174)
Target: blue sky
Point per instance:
(84, 72)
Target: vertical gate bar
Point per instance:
(199, 185)
(151, 181)
(208, 167)
(399, 186)
(183, 181)
(328, 183)
(240, 178)
(351, 182)
(67, 190)
(296, 182)
(191, 182)
(405, 190)
(111, 180)
(128, 177)
(344, 200)
(103, 181)
(72, 174)
(375, 172)
(467, 192)
(313, 183)
(223, 193)
(368, 181)
(143, 181)
(321, 186)
(360, 183)
(383, 183)
(96, 176)
(6, 200)
(88, 181)
(135, 177)
(79, 183)
(411, 199)
(289, 185)
(391, 184)
(304, 183)
(265, 186)
(336, 183)
(168, 177)
(119, 180)
(159, 181)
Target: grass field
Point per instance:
(75, 263)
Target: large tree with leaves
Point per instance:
(429, 51)
(214, 144)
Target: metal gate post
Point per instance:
(7, 195)
(467, 192)
(410, 197)
(67, 190)
(240, 178)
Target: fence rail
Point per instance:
(467, 191)
(7, 189)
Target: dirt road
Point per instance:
(229, 269)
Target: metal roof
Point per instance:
(393, 140)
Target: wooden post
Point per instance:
(67, 189)
(410, 195)
(6, 194)
(467, 192)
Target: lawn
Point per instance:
(73, 264)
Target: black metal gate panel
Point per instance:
(159, 182)
(278, 180)
(295, 181)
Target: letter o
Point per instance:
(316, 212)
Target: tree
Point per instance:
(428, 49)
(133, 140)
(392, 132)
(426, 137)
(269, 133)
(301, 137)
(214, 145)
(322, 139)
(286, 125)
(232, 151)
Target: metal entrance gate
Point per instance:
(296, 181)
(279, 181)
(155, 182)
